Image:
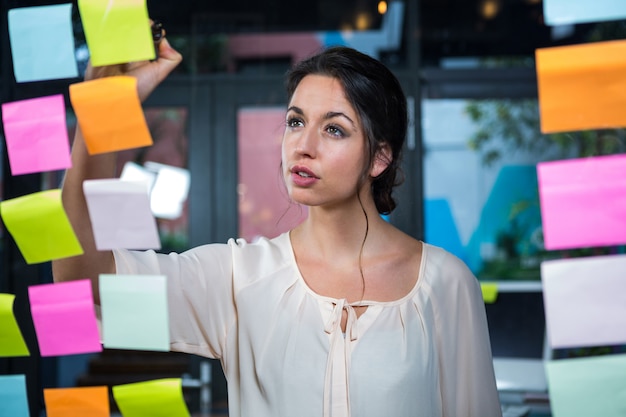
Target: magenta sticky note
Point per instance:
(36, 135)
(64, 317)
(583, 202)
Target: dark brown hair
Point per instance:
(376, 95)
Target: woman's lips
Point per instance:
(303, 177)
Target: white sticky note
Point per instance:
(135, 172)
(120, 214)
(585, 301)
(170, 190)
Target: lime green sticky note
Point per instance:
(116, 31)
(490, 292)
(40, 227)
(157, 398)
(592, 386)
(11, 340)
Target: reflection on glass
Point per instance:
(481, 192)
(269, 39)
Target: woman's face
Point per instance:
(323, 152)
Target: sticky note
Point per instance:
(42, 42)
(583, 202)
(490, 292)
(583, 387)
(564, 12)
(64, 318)
(11, 339)
(580, 87)
(584, 301)
(77, 402)
(120, 214)
(40, 227)
(116, 31)
(13, 396)
(157, 398)
(134, 312)
(36, 135)
(170, 190)
(135, 172)
(109, 114)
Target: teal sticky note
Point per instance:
(567, 12)
(42, 43)
(592, 386)
(134, 312)
(13, 399)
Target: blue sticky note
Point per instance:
(42, 43)
(134, 312)
(13, 399)
(566, 12)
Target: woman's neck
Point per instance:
(338, 232)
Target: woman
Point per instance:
(345, 315)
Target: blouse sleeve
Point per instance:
(199, 292)
(468, 384)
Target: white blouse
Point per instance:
(283, 351)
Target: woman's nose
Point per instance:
(307, 143)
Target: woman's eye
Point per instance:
(294, 122)
(335, 131)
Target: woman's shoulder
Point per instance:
(261, 245)
(261, 254)
(444, 270)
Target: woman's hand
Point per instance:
(149, 74)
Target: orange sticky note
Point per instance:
(109, 114)
(77, 402)
(582, 87)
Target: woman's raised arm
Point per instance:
(149, 75)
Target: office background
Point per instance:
(468, 69)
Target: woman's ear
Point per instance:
(381, 160)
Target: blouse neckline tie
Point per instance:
(337, 380)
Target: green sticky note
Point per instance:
(134, 312)
(116, 31)
(158, 398)
(490, 292)
(11, 340)
(583, 387)
(40, 227)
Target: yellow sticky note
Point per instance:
(109, 114)
(77, 402)
(490, 292)
(11, 340)
(157, 398)
(581, 87)
(116, 31)
(40, 227)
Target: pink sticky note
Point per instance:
(64, 318)
(583, 202)
(36, 135)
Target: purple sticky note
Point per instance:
(36, 135)
(583, 202)
(64, 318)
